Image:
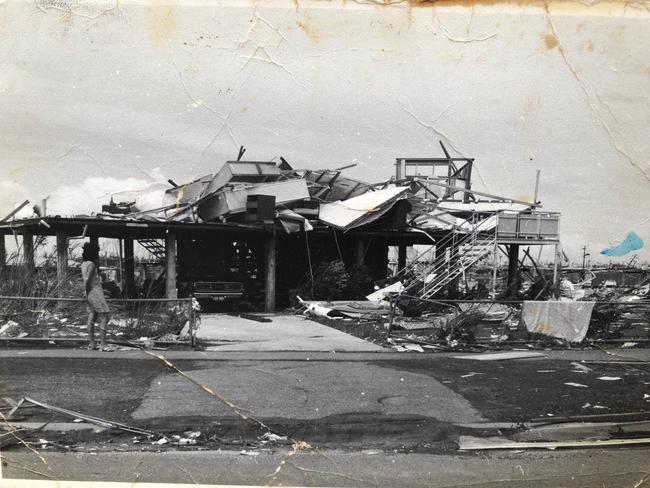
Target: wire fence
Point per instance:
(130, 320)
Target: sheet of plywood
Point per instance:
(364, 208)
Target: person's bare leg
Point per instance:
(103, 324)
(91, 330)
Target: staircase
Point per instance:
(426, 278)
(154, 247)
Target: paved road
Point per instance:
(413, 406)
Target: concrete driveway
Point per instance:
(221, 332)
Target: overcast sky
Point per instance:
(96, 98)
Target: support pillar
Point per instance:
(557, 270)
(28, 253)
(401, 257)
(170, 265)
(512, 286)
(269, 289)
(495, 269)
(3, 255)
(61, 262)
(360, 252)
(128, 272)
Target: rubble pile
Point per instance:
(129, 321)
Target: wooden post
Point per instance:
(512, 286)
(269, 302)
(192, 324)
(360, 254)
(61, 262)
(393, 299)
(401, 257)
(28, 252)
(128, 273)
(170, 265)
(3, 254)
(557, 270)
(120, 264)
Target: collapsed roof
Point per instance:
(271, 193)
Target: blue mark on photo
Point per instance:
(631, 243)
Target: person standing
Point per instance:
(97, 306)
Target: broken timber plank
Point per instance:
(88, 418)
(499, 356)
(468, 443)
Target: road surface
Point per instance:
(368, 418)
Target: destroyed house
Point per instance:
(257, 231)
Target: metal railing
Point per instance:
(530, 225)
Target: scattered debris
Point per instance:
(346, 308)
(383, 293)
(580, 368)
(271, 437)
(249, 453)
(76, 415)
(321, 311)
(10, 329)
(413, 347)
(469, 375)
(183, 441)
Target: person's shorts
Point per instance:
(97, 302)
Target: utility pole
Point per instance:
(584, 261)
(537, 187)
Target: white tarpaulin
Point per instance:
(566, 320)
(362, 209)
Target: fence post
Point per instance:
(192, 323)
(392, 300)
(61, 265)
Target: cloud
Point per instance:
(11, 195)
(86, 197)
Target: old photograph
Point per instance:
(333, 243)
